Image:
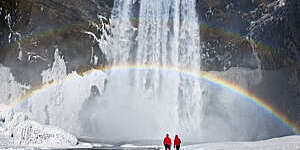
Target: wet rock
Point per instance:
(36, 28)
(275, 29)
(224, 31)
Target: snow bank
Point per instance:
(32, 133)
(284, 143)
(17, 130)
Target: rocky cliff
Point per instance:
(241, 32)
(31, 31)
(247, 33)
(275, 28)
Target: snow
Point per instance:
(58, 70)
(85, 145)
(32, 133)
(20, 55)
(13, 89)
(282, 3)
(95, 60)
(143, 147)
(284, 143)
(17, 130)
(101, 145)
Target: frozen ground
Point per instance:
(284, 143)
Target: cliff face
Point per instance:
(276, 28)
(245, 33)
(224, 32)
(31, 30)
(256, 34)
(250, 33)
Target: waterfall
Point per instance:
(167, 33)
(162, 33)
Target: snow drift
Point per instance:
(17, 130)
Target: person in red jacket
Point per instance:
(177, 142)
(167, 142)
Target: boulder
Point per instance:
(32, 133)
(19, 131)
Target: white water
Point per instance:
(60, 103)
(166, 33)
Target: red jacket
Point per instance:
(167, 140)
(177, 141)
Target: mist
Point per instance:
(112, 105)
(126, 112)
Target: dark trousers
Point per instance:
(177, 147)
(167, 147)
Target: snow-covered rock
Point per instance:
(6, 117)
(13, 120)
(17, 130)
(32, 133)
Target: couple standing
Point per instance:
(168, 142)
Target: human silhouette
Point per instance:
(167, 142)
(177, 142)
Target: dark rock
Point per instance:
(223, 34)
(276, 32)
(39, 27)
(226, 29)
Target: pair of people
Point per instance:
(168, 142)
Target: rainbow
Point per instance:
(264, 49)
(198, 74)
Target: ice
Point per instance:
(32, 133)
(20, 55)
(58, 70)
(284, 143)
(17, 130)
(101, 145)
(85, 145)
(143, 146)
(13, 89)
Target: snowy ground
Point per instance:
(284, 143)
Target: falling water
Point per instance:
(162, 33)
(167, 33)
